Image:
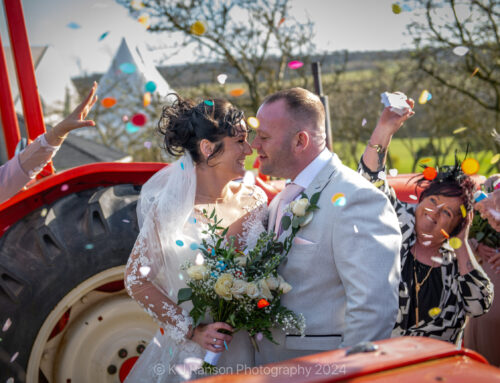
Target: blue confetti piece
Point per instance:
(209, 102)
(131, 128)
(193, 246)
(103, 36)
(150, 86)
(73, 25)
(429, 96)
(213, 274)
(340, 201)
(179, 243)
(127, 68)
(192, 220)
(221, 266)
(89, 246)
(182, 165)
(170, 351)
(225, 345)
(213, 252)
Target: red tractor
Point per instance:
(64, 242)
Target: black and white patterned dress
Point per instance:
(461, 295)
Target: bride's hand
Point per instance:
(209, 337)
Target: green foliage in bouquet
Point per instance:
(482, 231)
(240, 289)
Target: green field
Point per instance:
(402, 159)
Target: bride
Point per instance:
(212, 138)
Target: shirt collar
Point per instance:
(307, 175)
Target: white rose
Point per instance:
(285, 287)
(299, 207)
(252, 290)
(241, 261)
(272, 282)
(308, 219)
(197, 272)
(239, 288)
(264, 290)
(223, 286)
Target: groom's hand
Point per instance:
(210, 338)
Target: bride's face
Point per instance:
(232, 160)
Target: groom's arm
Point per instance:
(366, 244)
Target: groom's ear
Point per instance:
(301, 141)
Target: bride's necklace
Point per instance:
(418, 284)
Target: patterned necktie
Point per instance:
(288, 194)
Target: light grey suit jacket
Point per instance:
(345, 281)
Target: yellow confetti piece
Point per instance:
(475, 72)
(424, 97)
(456, 243)
(198, 28)
(462, 209)
(470, 166)
(44, 212)
(378, 183)
(495, 159)
(396, 9)
(253, 122)
(339, 199)
(425, 160)
(146, 100)
(144, 20)
(434, 312)
(460, 130)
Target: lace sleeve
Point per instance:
(140, 274)
(256, 219)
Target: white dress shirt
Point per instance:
(306, 176)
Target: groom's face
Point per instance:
(273, 140)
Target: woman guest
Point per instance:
(440, 285)
(23, 167)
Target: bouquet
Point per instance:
(241, 286)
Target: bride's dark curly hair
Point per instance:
(184, 124)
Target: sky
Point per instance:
(355, 25)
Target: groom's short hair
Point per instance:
(302, 106)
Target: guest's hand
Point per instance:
(77, 119)
(204, 335)
(485, 252)
(489, 210)
(494, 259)
(390, 122)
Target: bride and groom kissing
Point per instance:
(343, 265)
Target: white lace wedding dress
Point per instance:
(247, 207)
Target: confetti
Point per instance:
(130, 128)
(127, 68)
(237, 92)
(221, 79)
(356, 229)
(198, 28)
(64, 187)
(225, 345)
(144, 270)
(89, 246)
(103, 36)
(460, 130)
(445, 234)
(209, 102)
(425, 160)
(182, 165)
(147, 144)
(253, 122)
(181, 277)
(139, 119)
(193, 246)
(282, 20)
(125, 221)
(426, 243)
(192, 220)
(474, 72)
(73, 25)
(396, 9)
(44, 212)
(179, 243)
(150, 86)
(137, 5)
(199, 259)
(470, 166)
(262, 303)
(363, 123)
(146, 99)
(393, 172)
(381, 175)
(108, 102)
(495, 159)
(424, 97)
(171, 352)
(295, 64)
(162, 331)
(14, 357)
(456, 243)
(437, 259)
(460, 50)
(124, 118)
(427, 235)
(259, 336)
(430, 173)
(434, 312)
(6, 325)
(479, 196)
(462, 209)
(339, 199)
(413, 197)
(144, 20)
(155, 341)
(249, 178)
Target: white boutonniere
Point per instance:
(301, 211)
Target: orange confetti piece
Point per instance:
(108, 102)
(475, 72)
(262, 303)
(162, 331)
(445, 234)
(470, 166)
(430, 173)
(281, 21)
(146, 100)
(425, 160)
(237, 92)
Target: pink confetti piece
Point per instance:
(14, 357)
(64, 187)
(6, 325)
(295, 64)
(147, 144)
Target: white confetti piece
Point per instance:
(222, 78)
(144, 270)
(199, 259)
(14, 357)
(437, 259)
(426, 243)
(413, 197)
(249, 178)
(356, 229)
(381, 175)
(393, 172)
(125, 220)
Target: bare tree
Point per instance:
(257, 37)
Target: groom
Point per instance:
(344, 265)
